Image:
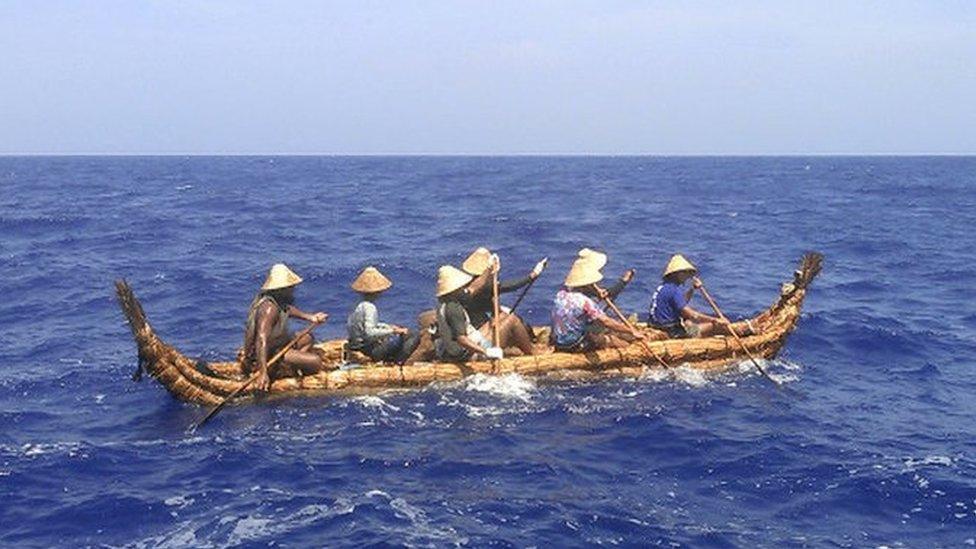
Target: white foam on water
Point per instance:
(783, 379)
(71, 449)
(911, 464)
(421, 528)
(178, 501)
(509, 386)
(183, 536)
(485, 411)
(920, 481)
(510, 393)
(253, 527)
(250, 528)
(690, 376)
(655, 375)
(788, 365)
(376, 403)
(746, 367)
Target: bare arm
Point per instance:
(295, 312)
(466, 342)
(688, 313)
(265, 323)
(481, 283)
(615, 325)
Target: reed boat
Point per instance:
(210, 383)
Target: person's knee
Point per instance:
(511, 323)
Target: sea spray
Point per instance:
(510, 386)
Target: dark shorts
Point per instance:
(588, 342)
(583, 345)
(391, 348)
(678, 330)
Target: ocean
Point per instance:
(873, 444)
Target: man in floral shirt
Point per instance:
(578, 323)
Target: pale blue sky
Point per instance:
(606, 77)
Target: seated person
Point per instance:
(457, 340)
(381, 342)
(266, 331)
(600, 259)
(578, 323)
(479, 302)
(670, 312)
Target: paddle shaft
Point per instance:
(274, 359)
(525, 290)
(631, 326)
(496, 308)
(721, 315)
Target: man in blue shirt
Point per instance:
(670, 311)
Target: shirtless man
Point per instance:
(266, 331)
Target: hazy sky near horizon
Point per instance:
(605, 77)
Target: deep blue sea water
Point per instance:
(873, 444)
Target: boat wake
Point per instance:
(509, 386)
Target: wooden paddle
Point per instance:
(525, 290)
(496, 308)
(274, 359)
(631, 326)
(722, 316)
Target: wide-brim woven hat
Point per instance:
(583, 273)
(477, 262)
(451, 279)
(280, 277)
(599, 259)
(371, 281)
(677, 264)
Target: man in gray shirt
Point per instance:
(380, 341)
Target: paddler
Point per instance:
(670, 311)
(600, 259)
(579, 325)
(457, 339)
(266, 331)
(479, 301)
(476, 299)
(381, 342)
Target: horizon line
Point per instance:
(477, 154)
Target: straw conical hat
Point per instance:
(450, 279)
(597, 258)
(371, 281)
(677, 264)
(583, 272)
(477, 262)
(280, 277)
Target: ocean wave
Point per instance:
(223, 526)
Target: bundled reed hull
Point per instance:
(209, 384)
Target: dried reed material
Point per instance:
(185, 379)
